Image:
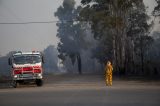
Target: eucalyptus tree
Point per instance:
(70, 33)
(113, 21)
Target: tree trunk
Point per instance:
(142, 62)
(79, 64)
(142, 56)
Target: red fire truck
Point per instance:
(26, 68)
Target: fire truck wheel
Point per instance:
(15, 84)
(39, 82)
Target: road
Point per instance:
(85, 90)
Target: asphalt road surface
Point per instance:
(85, 90)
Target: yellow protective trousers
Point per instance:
(108, 79)
(108, 73)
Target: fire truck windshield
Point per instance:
(27, 59)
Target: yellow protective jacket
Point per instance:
(108, 69)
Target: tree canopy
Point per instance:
(70, 33)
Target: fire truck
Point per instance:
(26, 68)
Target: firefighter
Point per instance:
(108, 73)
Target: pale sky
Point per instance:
(32, 36)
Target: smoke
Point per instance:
(89, 64)
(5, 69)
(51, 59)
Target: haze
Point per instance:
(31, 36)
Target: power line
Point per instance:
(41, 22)
(46, 22)
(38, 22)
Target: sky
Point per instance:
(30, 37)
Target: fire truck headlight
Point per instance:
(39, 75)
(15, 76)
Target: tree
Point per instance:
(70, 33)
(112, 21)
(156, 11)
(138, 33)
